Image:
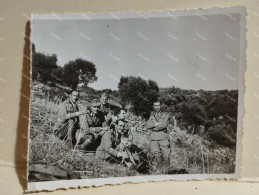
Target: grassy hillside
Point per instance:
(202, 132)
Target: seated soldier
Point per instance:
(68, 118)
(122, 115)
(91, 127)
(116, 146)
(110, 140)
(105, 110)
(105, 107)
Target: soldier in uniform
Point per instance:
(110, 141)
(160, 145)
(105, 110)
(122, 115)
(104, 105)
(116, 146)
(91, 127)
(68, 118)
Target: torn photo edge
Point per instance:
(66, 184)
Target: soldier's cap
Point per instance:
(95, 103)
(157, 103)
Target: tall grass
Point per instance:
(197, 155)
(189, 152)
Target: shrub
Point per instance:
(222, 135)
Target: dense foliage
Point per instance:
(78, 67)
(138, 92)
(208, 113)
(46, 70)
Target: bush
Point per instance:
(194, 114)
(222, 135)
(73, 69)
(141, 93)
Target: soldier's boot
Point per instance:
(84, 141)
(84, 145)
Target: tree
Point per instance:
(76, 69)
(193, 114)
(45, 67)
(140, 93)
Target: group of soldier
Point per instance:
(96, 127)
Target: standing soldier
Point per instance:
(68, 119)
(160, 146)
(92, 126)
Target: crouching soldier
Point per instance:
(68, 119)
(160, 145)
(91, 128)
(116, 146)
(111, 139)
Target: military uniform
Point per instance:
(160, 146)
(108, 147)
(90, 129)
(68, 121)
(112, 143)
(105, 114)
(105, 108)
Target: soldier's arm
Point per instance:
(86, 127)
(150, 123)
(63, 115)
(71, 115)
(106, 123)
(108, 144)
(163, 123)
(97, 129)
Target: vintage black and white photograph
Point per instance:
(135, 97)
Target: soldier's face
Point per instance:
(104, 100)
(120, 126)
(74, 96)
(94, 109)
(157, 107)
(122, 114)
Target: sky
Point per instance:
(189, 52)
